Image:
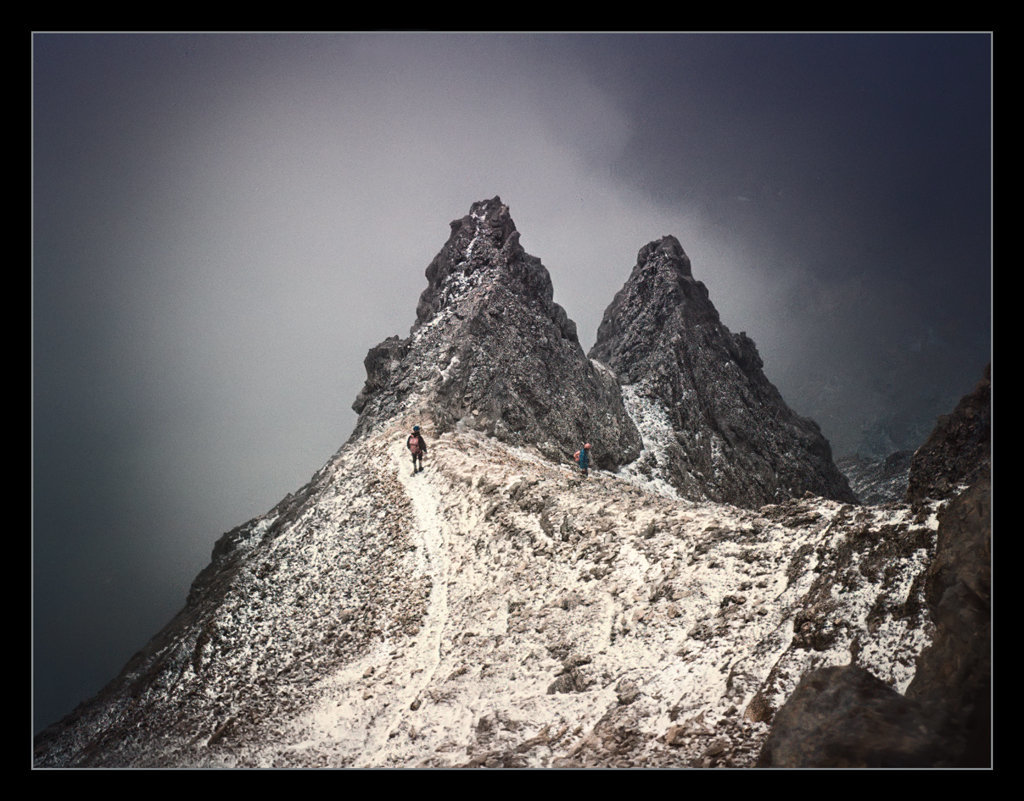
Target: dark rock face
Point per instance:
(877, 480)
(493, 352)
(958, 449)
(843, 717)
(716, 428)
(954, 674)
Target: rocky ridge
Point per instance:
(877, 480)
(716, 428)
(498, 610)
(958, 450)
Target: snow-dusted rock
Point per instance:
(845, 717)
(497, 609)
(492, 351)
(718, 429)
(877, 480)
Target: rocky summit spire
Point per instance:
(714, 427)
(490, 350)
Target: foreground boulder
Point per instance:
(843, 717)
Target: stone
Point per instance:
(844, 717)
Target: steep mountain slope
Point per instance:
(958, 450)
(716, 428)
(495, 609)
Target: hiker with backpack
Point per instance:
(582, 457)
(418, 447)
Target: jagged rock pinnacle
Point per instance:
(668, 251)
(491, 350)
(486, 237)
(714, 426)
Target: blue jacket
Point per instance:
(584, 458)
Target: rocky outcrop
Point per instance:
(491, 351)
(954, 674)
(877, 480)
(714, 427)
(845, 717)
(958, 449)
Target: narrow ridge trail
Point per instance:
(420, 663)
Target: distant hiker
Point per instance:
(582, 456)
(417, 446)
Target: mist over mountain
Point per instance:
(501, 609)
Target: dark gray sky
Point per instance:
(224, 224)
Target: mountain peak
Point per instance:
(491, 351)
(488, 222)
(714, 427)
(665, 251)
(492, 213)
(481, 244)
